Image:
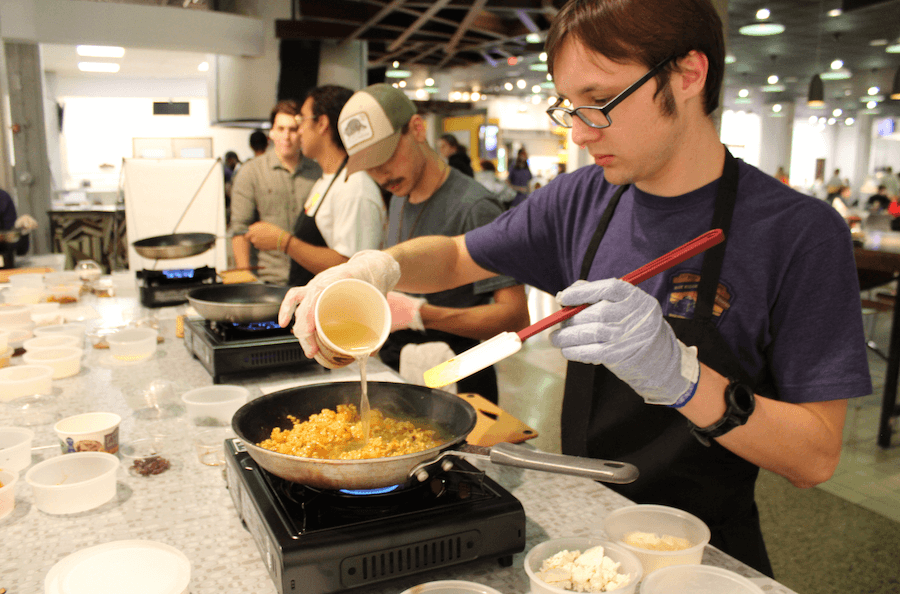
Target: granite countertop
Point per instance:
(189, 506)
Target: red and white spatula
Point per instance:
(507, 343)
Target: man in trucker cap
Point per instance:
(385, 136)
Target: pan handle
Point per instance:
(507, 454)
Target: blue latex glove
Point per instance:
(625, 331)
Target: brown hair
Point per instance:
(646, 31)
(288, 106)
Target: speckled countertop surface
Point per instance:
(189, 506)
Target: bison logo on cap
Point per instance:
(355, 130)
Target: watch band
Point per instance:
(739, 405)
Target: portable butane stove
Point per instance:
(320, 542)
(225, 348)
(171, 287)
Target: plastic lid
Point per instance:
(133, 566)
(451, 587)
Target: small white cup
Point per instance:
(353, 319)
(89, 432)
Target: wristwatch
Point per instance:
(739, 404)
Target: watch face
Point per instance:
(744, 399)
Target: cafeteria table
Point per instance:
(878, 268)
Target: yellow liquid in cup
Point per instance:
(351, 336)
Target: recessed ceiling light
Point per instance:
(539, 67)
(743, 93)
(763, 13)
(849, 122)
(508, 86)
(476, 96)
(868, 98)
(100, 51)
(521, 83)
(772, 79)
(813, 120)
(761, 29)
(98, 67)
(395, 73)
(835, 12)
(402, 84)
(772, 88)
(429, 82)
(547, 85)
(776, 108)
(831, 121)
(873, 90)
(837, 112)
(543, 56)
(421, 94)
(893, 49)
(872, 104)
(729, 59)
(837, 65)
(533, 38)
(536, 89)
(535, 99)
(841, 74)
(878, 42)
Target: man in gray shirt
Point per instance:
(272, 188)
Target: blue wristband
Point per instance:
(686, 397)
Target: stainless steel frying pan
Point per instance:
(455, 417)
(239, 303)
(177, 245)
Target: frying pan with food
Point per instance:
(239, 303)
(453, 416)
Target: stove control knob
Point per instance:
(447, 465)
(422, 475)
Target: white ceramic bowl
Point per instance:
(74, 483)
(15, 448)
(214, 405)
(25, 380)
(121, 566)
(14, 315)
(132, 344)
(536, 556)
(8, 481)
(65, 360)
(52, 341)
(451, 587)
(697, 579)
(662, 521)
(89, 432)
(71, 328)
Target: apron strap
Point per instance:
(600, 232)
(331, 183)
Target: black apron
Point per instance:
(305, 229)
(603, 417)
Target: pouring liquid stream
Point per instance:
(361, 341)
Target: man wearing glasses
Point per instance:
(738, 359)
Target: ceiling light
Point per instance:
(893, 49)
(538, 67)
(551, 100)
(547, 85)
(508, 86)
(520, 83)
(873, 90)
(872, 104)
(816, 95)
(429, 82)
(549, 77)
(776, 108)
(837, 65)
(512, 60)
(396, 73)
(835, 12)
(536, 89)
(772, 88)
(729, 59)
(396, 64)
(813, 120)
(837, 112)
(476, 96)
(849, 122)
(535, 99)
(832, 121)
(402, 84)
(466, 96)
(421, 94)
(743, 101)
(203, 66)
(743, 93)
(868, 98)
(761, 29)
(842, 74)
(543, 56)
(100, 51)
(772, 79)
(895, 88)
(763, 13)
(878, 42)
(533, 38)
(98, 67)
(821, 121)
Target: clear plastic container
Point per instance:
(662, 521)
(14, 315)
(25, 380)
(49, 341)
(15, 448)
(73, 483)
(70, 328)
(697, 579)
(33, 410)
(65, 360)
(213, 406)
(132, 344)
(536, 556)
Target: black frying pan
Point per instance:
(454, 417)
(177, 245)
(240, 303)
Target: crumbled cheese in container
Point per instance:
(591, 571)
(654, 542)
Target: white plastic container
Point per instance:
(65, 360)
(15, 448)
(74, 483)
(24, 295)
(536, 556)
(8, 480)
(697, 579)
(132, 344)
(89, 432)
(27, 279)
(14, 315)
(25, 380)
(662, 521)
(214, 405)
(71, 328)
(19, 334)
(4, 340)
(451, 587)
(49, 341)
(133, 566)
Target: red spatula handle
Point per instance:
(651, 269)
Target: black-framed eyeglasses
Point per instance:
(597, 116)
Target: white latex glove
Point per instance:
(26, 223)
(375, 267)
(406, 311)
(625, 331)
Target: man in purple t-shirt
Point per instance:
(739, 359)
